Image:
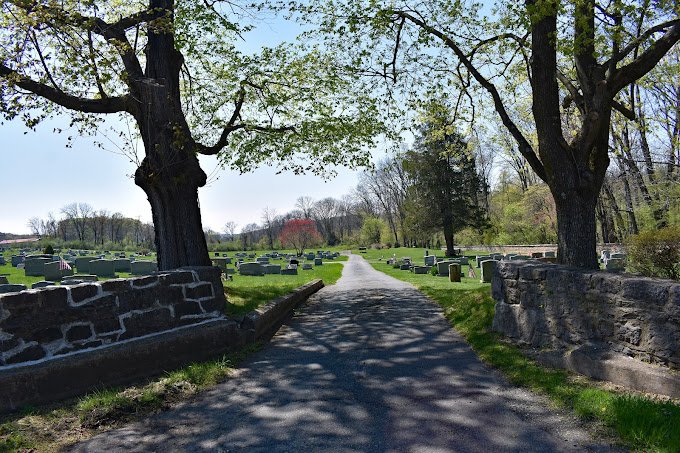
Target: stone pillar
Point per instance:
(454, 272)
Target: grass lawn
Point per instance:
(644, 424)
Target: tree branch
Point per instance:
(524, 145)
(107, 105)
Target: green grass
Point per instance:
(52, 428)
(644, 424)
(245, 293)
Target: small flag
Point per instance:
(63, 265)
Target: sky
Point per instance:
(41, 175)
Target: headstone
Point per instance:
(3, 280)
(621, 256)
(263, 259)
(2, 260)
(289, 271)
(310, 256)
(71, 282)
(83, 264)
(217, 253)
(605, 255)
(443, 268)
(454, 272)
(271, 268)
(520, 257)
(463, 261)
(548, 254)
(53, 273)
(227, 260)
(430, 260)
(488, 267)
(122, 265)
(404, 267)
(509, 256)
(83, 277)
(318, 261)
(9, 288)
(537, 254)
(143, 267)
(230, 271)
(548, 259)
(307, 267)
(254, 269)
(615, 264)
(220, 262)
(35, 267)
(362, 249)
(481, 258)
(421, 269)
(102, 268)
(294, 261)
(42, 284)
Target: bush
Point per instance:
(656, 253)
(434, 270)
(49, 250)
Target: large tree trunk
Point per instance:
(170, 173)
(448, 237)
(576, 230)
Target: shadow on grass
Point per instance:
(246, 299)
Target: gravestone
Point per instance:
(548, 254)
(271, 268)
(9, 288)
(2, 260)
(615, 264)
(404, 267)
(289, 271)
(253, 269)
(220, 262)
(520, 257)
(481, 258)
(310, 256)
(443, 268)
(35, 267)
(227, 260)
(430, 260)
(605, 255)
(509, 256)
(71, 282)
(318, 261)
(537, 254)
(496, 256)
(421, 269)
(488, 267)
(83, 264)
(464, 261)
(83, 277)
(122, 265)
(102, 268)
(53, 273)
(42, 284)
(143, 267)
(621, 256)
(3, 280)
(548, 259)
(294, 261)
(454, 272)
(230, 271)
(307, 267)
(362, 249)
(263, 259)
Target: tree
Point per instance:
(78, 215)
(445, 184)
(230, 229)
(300, 234)
(172, 68)
(572, 58)
(269, 218)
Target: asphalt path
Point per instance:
(366, 365)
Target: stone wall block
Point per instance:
(78, 332)
(644, 291)
(187, 308)
(31, 351)
(176, 278)
(107, 324)
(507, 270)
(498, 287)
(606, 282)
(198, 290)
(118, 285)
(629, 333)
(146, 322)
(81, 293)
(147, 281)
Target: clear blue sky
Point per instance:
(40, 175)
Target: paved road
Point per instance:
(367, 365)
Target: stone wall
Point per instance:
(551, 306)
(53, 321)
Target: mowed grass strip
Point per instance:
(642, 423)
(246, 293)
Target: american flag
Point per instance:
(63, 265)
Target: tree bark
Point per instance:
(576, 230)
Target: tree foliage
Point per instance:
(300, 234)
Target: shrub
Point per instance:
(656, 253)
(49, 250)
(434, 270)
